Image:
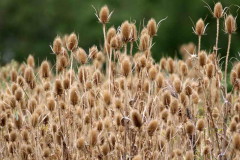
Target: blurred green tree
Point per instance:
(29, 26)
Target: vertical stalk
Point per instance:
(199, 44)
(217, 36)
(226, 62)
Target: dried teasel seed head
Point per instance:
(152, 127)
(230, 24)
(34, 120)
(105, 149)
(152, 27)
(236, 141)
(14, 76)
(74, 96)
(166, 98)
(218, 10)
(126, 67)
(190, 128)
(107, 97)
(31, 61)
(111, 33)
(200, 125)
(18, 121)
(200, 27)
(174, 106)
(93, 137)
(45, 70)
(126, 31)
(18, 94)
(72, 42)
(80, 55)
(152, 73)
(144, 42)
(93, 52)
(137, 119)
(160, 80)
(58, 90)
(80, 143)
(57, 45)
(133, 33)
(29, 75)
(51, 104)
(202, 58)
(13, 136)
(189, 155)
(104, 15)
(210, 70)
(233, 126)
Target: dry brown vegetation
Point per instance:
(115, 104)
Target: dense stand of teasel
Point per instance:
(111, 103)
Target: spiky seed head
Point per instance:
(190, 128)
(177, 84)
(13, 136)
(46, 152)
(93, 137)
(111, 34)
(125, 31)
(152, 27)
(230, 24)
(126, 67)
(34, 120)
(25, 135)
(80, 55)
(233, 126)
(144, 42)
(137, 119)
(152, 127)
(31, 61)
(74, 96)
(80, 143)
(164, 115)
(18, 121)
(174, 106)
(152, 73)
(184, 69)
(170, 65)
(200, 125)
(107, 97)
(206, 150)
(200, 27)
(18, 94)
(166, 98)
(133, 33)
(45, 70)
(72, 42)
(58, 90)
(105, 149)
(210, 70)
(57, 45)
(104, 15)
(236, 141)
(93, 52)
(29, 75)
(51, 104)
(3, 119)
(189, 155)
(160, 80)
(218, 10)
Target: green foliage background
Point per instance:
(29, 26)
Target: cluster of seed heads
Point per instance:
(111, 103)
